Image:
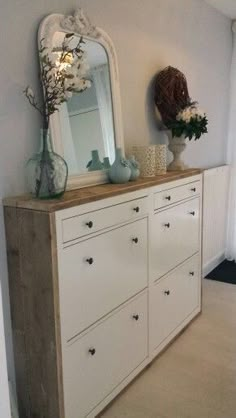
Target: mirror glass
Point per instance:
(86, 120)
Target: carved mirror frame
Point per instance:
(80, 25)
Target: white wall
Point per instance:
(148, 35)
(228, 7)
(215, 216)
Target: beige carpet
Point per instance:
(196, 376)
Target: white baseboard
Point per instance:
(213, 263)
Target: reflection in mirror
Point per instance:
(86, 120)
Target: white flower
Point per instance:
(190, 112)
(186, 115)
(53, 57)
(63, 73)
(58, 100)
(197, 113)
(50, 90)
(201, 114)
(29, 92)
(70, 69)
(88, 84)
(68, 94)
(84, 67)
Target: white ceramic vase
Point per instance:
(145, 155)
(177, 147)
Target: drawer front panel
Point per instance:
(82, 225)
(172, 299)
(99, 274)
(175, 236)
(95, 364)
(176, 194)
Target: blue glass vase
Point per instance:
(47, 172)
(120, 171)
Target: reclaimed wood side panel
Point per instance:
(34, 301)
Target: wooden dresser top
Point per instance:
(94, 193)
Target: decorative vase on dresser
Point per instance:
(120, 171)
(46, 171)
(95, 164)
(82, 328)
(106, 163)
(134, 167)
(160, 159)
(146, 157)
(177, 147)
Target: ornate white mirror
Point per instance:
(91, 120)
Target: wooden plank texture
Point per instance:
(94, 193)
(32, 265)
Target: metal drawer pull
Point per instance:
(167, 292)
(191, 273)
(136, 317)
(92, 351)
(193, 189)
(90, 260)
(192, 213)
(136, 209)
(168, 198)
(89, 224)
(135, 240)
(167, 225)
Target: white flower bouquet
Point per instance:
(63, 72)
(191, 122)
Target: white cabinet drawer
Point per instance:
(96, 363)
(176, 194)
(172, 299)
(100, 273)
(82, 225)
(174, 236)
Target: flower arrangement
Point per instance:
(191, 122)
(178, 113)
(62, 73)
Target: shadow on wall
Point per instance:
(156, 133)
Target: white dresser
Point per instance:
(104, 286)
